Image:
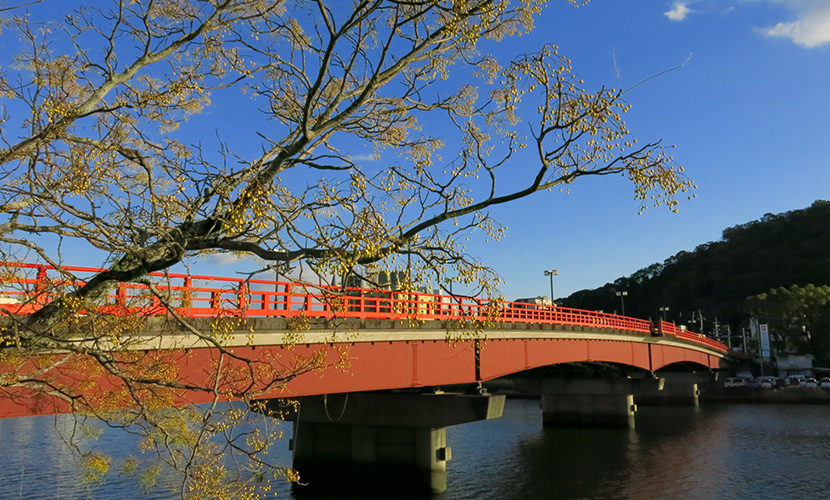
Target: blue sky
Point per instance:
(748, 112)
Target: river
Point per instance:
(711, 452)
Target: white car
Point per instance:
(735, 382)
(824, 383)
(809, 382)
(766, 382)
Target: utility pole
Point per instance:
(622, 295)
(743, 335)
(551, 273)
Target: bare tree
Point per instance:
(101, 145)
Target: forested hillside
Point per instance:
(715, 279)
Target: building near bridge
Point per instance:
(794, 364)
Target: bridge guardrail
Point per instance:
(24, 288)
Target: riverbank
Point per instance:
(712, 393)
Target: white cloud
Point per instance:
(810, 29)
(678, 11)
(364, 157)
(224, 259)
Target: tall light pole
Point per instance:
(622, 296)
(663, 310)
(551, 273)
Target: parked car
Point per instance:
(809, 382)
(766, 382)
(795, 379)
(753, 383)
(735, 382)
(824, 383)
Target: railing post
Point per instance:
(40, 285)
(329, 308)
(268, 299)
(657, 328)
(243, 298)
(394, 304)
(121, 298)
(187, 297)
(290, 299)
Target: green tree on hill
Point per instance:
(797, 316)
(778, 250)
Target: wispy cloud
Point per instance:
(810, 29)
(678, 11)
(224, 259)
(364, 157)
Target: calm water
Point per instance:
(716, 452)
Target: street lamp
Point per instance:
(663, 310)
(622, 296)
(551, 273)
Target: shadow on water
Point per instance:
(515, 458)
(569, 463)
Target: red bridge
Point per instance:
(350, 341)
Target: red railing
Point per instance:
(24, 288)
(672, 329)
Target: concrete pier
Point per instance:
(671, 389)
(588, 403)
(377, 442)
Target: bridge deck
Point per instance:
(352, 339)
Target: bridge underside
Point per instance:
(502, 357)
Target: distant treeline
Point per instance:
(715, 279)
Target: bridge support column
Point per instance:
(587, 403)
(380, 442)
(673, 388)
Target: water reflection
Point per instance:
(722, 452)
(28, 471)
(731, 452)
(517, 459)
(37, 463)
